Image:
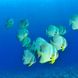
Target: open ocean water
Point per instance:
(41, 14)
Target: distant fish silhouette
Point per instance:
(52, 30)
(74, 22)
(10, 23)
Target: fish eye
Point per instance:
(61, 46)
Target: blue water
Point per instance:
(40, 14)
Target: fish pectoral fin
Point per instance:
(62, 47)
(52, 61)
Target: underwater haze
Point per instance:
(40, 14)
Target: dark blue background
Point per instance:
(40, 14)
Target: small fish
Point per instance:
(24, 23)
(10, 23)
(22, 34)
(74, 22)
(52, 30)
